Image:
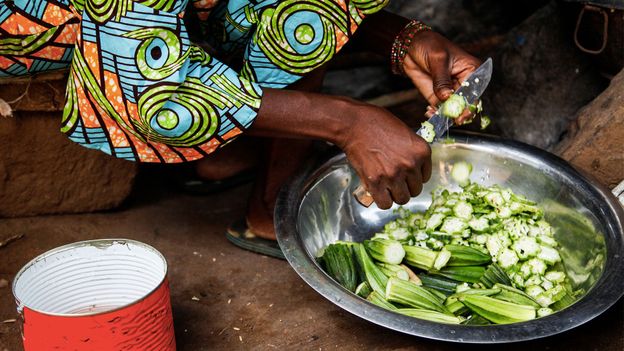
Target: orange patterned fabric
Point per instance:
(140, 90)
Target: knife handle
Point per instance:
(363, 196)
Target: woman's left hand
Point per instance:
(437, 67)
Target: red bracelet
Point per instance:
(402, 43)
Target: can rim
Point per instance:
(93, 242)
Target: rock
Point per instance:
(43, 172)
(540, 80)
(468, 20)
(41, 92)
(595, 141)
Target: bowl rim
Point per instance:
(606, 291)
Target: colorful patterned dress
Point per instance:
(138, 89)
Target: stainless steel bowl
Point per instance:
(317, 208)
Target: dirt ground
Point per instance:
(246, 301)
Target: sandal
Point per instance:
(239, 234)
(197, 186)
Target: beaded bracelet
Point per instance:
(402, 43)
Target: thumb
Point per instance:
(441, 77)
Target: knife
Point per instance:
(471, 89)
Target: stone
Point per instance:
(40, 92)
(594, 142)
(43, 172)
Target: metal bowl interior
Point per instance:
(317, 208)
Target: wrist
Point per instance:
(403, 42)
(343, 114)
(297, 114)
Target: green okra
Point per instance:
(380, 301)
(498, 311)
(338, 261)
(394, 270)
(363, 290)
(432, 316)
(420, 257)
(442, 259)
(511, 294)
(475, 319)
(409, 294)
(374, 276)
(468, 274)
(494, 274)
(385, 250)
(456, 307)
(466, 256)
(441, 284)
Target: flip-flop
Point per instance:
(238, 233)
(197, 186)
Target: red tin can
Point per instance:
(109, 294)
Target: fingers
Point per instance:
(422, 81)
(400, 191)
(464, 67)
(430, 111)
(440, 70)
(397, 189)
(426, 170)
(380, 193)
(464, 117)
(414, 182)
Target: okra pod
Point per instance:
(393, 270)
(466, 256)
(374, 276)
(431, 316)
(441, 284)
(380, 301)
(420, 257)
(363, 290)
(498, 311)
(410, 294)
(339, 264)
(468, 274)
(511, 294)
(385, 250)
(494, 274)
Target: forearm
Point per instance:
(297, 114)
(378, 31)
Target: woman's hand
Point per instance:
(392, 161)
(437, 67)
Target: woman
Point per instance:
(140, 90)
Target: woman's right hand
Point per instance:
(392, 161)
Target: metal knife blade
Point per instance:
(472, 89)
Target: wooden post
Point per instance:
(595, 140)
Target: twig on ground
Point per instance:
(10, 239)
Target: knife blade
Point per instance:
(471, 89)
